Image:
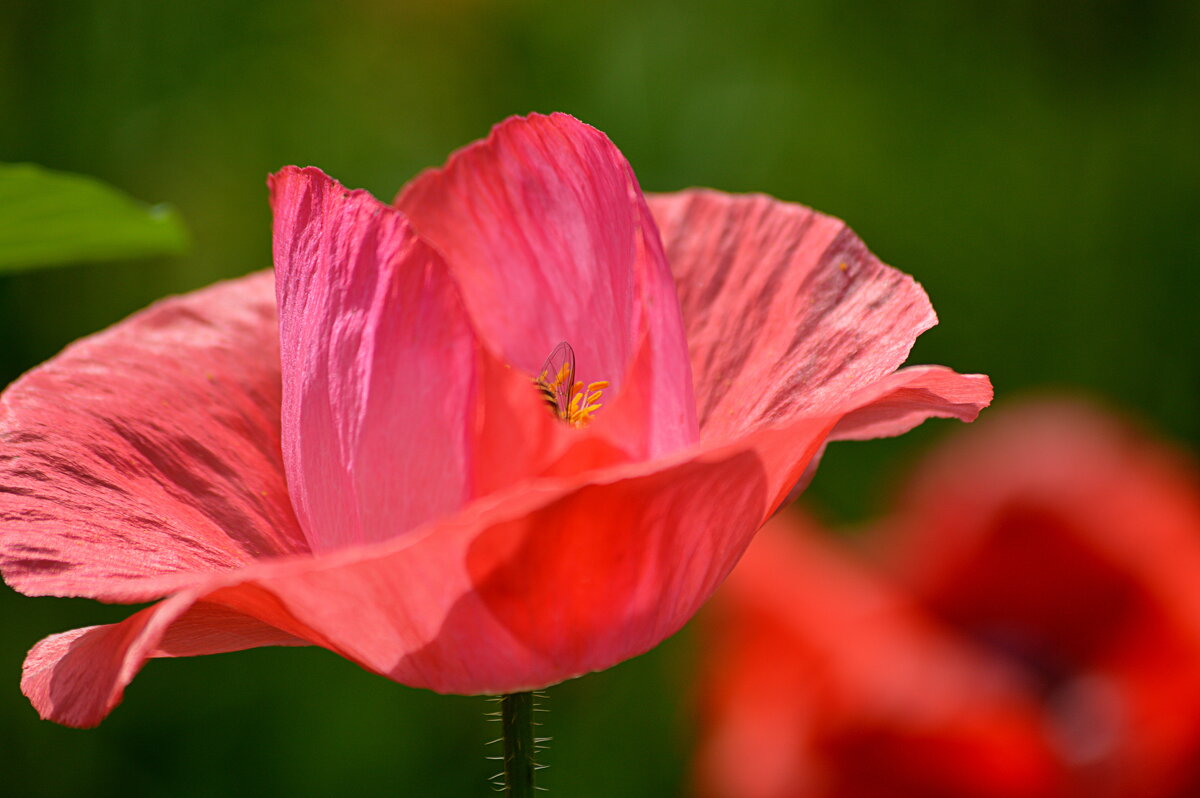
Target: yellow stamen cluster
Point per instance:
(584, 403)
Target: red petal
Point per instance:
(547, 232)
(1067, 481)
(380, 366)
(77, 677)
(904, 399)
(151, 448)
(539, 584)
(822, 682)
(536, 588)
(785, 309)
(539, 588)
(1072, 543)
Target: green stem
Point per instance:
(516, 716)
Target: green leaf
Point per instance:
(52, 218)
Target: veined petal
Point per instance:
(530, 586)
(545, 227)
(531, 589)
(148, 450)
(541, 587)
(77, 677)
(790, 450)
(785, 309)
(902, 400)
(380, 366)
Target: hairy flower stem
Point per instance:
(516, 717)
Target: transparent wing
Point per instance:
(557, 376)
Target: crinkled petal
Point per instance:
(77, 677)
(821, 681)
(380, 366)
(790, 451)
(545, 227)
(541, 588)
(786, 311)
(904, 399)
(149, 449)
(542, 582)
(535, 588)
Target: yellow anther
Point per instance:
(584, 402)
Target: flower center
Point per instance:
(567, 398)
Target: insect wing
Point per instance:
(558, 375)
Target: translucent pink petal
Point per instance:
(541, 588)
(790, 451)
(902, 400)
(380, 365)
(209, 627)
(453, 607)
(785, 309)
(149, 449)
(525, 588)
(545, 227)
(77, 677)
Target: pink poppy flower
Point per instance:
(350, 453)
(1034, 631)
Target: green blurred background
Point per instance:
(1035, 164)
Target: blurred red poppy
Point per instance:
(357, 452)
(1033, 629)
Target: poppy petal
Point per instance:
(546, 229)
(902, 400)
(546, 581)
(786, 310)
(821, 680)
(149, 449)
(790, 451)
(544, 587)
(380, 365)
(76, 678)
(459, 607)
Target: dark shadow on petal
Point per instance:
(600, 576)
